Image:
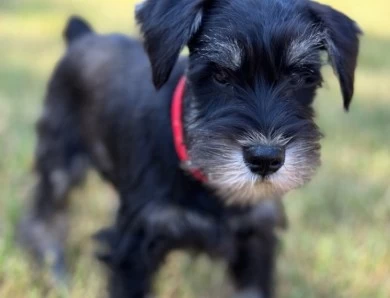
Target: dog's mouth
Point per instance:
(263, 180)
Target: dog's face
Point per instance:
(254, 68)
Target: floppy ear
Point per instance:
(341, 41)
(167, 26)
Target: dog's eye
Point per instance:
(311, 79)
(305, 80)
(221, 77)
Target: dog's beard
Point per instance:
(227, 173)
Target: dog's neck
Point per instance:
(177, 121)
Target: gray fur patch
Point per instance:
(304, 49)
(249, 293)
(197, 22)
(223, 51)
(228, 174)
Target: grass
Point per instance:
(338, 241)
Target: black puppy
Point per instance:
(194, 148)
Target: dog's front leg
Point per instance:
(141, 241)
(252, 269)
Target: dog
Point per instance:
(200, 149)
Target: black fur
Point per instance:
(252, 74)
(342, 44)
(76, 28)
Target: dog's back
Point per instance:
(98, 63)
(99, 80)
(92, 103)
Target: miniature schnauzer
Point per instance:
(199, 149)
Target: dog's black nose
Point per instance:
(264, 160)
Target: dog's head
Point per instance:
(254, 68)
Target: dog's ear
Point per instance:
(167, 26)
(341, 41)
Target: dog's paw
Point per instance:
(249, 293)
(44, 242)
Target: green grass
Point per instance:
(338, 242)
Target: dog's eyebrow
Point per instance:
(222, 51)
(304, 49)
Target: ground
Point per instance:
(338, 241)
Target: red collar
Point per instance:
(178, 131)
